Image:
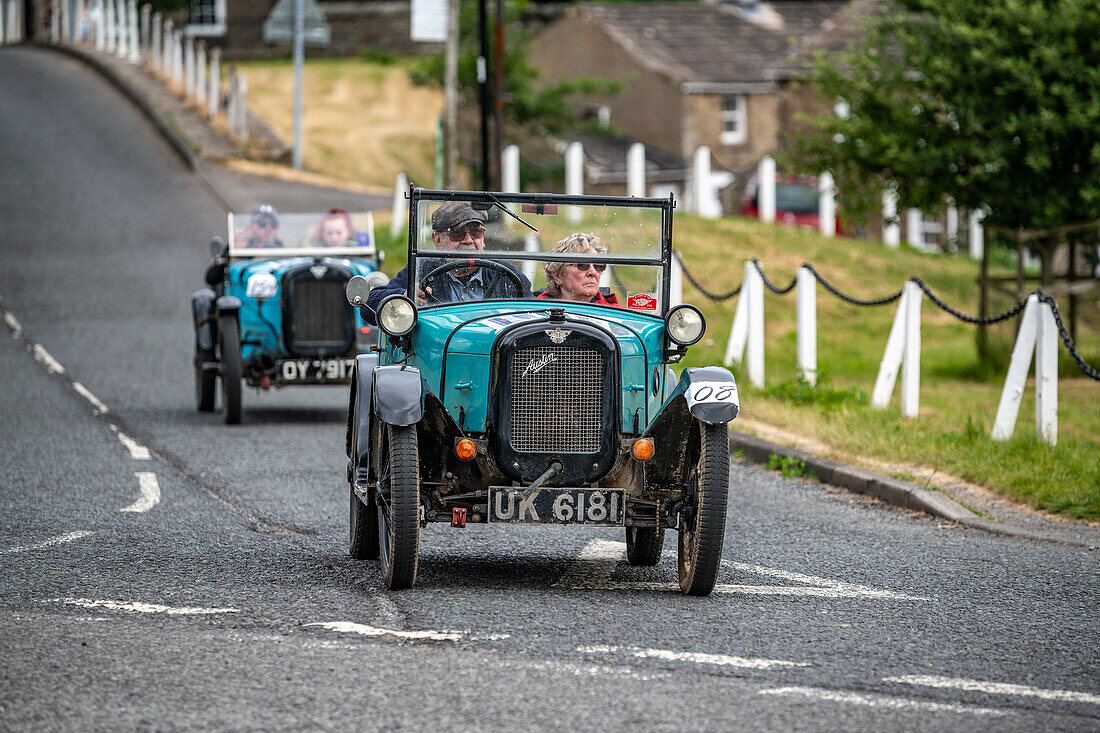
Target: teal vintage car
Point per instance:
(274, 312)
(522, 377)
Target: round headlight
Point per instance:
(261, 286)
(397, 315)
(685, 324)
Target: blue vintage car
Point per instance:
(523, 377)
(275, 312)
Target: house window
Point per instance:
(734, 122)
(207, 18)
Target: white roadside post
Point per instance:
(891, 231)
(109, 27)
(902, 352)
(574, 177)
(215, 85)
(765, 197)
(100, 25)
(951, 236)
(242, 108)
(154, 43)
(635, 170)
(400, 212)
(754, 355)
(122, 31)
(977, 234)
(166, 50)
(1038, 336)
(807, 324)
(700, 182)
(914, 227)
(177, 61)
(146, 32)
(826, 204)
(530, 245)
(189, 68)
(509, 169)
(132, 29)
(676, 282)
(735, 347)
(200, 73)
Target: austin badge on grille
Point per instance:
(557, 335)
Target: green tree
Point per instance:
(994, 104)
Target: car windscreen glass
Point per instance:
(799, 198)
(308, 234)
(620, 247)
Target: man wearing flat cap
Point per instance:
(456, 225)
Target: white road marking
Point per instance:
(51, 364)
(723, 660)
(150, 493)
(14, 325)
(53, 541)
(880, 701)
(995, 688)
(141, 607)
(137, 451)
(347, 627)
(594, 565)
(100, 408)
(841, 589)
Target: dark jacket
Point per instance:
(602, 297)
(496, 287)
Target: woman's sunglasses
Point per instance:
(583, 266)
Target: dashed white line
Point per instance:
(137, 451)
(150, 493)
(141, 607)
(51, 364)
(47, 543)
(347, 627)
(100, 408)
(586, 569)
(839, 589)
(880, 701)
(14, 325)
(723, 660)
(995, 688)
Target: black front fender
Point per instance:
(359, 419)
(202, 315)
(398, 394)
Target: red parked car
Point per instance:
(796, 202)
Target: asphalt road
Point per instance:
(161, 570)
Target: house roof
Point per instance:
(728, 47)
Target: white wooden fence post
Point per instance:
(676, 283)
(122, 31)
(977, 234)
(701, 193)
(400, 211)
(1016, 378)
(765, 197)
(574, 177)
(1046, 376)
(902, 352)
(735, 347)
(132, 29)
(155, 58)
(177, 59)
(754, 356)
(215, 85)
(635, 170)
(200, 73)
(242, 107)
(891, 231)
(826, 204)
(109, 27)
(951, 236)
(530, 245)
(914, 227)
(146, 31)
(807, 324)
(189, 68)
(100, 25)
(509, 169)
(166, 49)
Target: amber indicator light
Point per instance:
(642, 450)
(465, 449)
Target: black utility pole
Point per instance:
(483, 95)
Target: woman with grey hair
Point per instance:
(577, 281)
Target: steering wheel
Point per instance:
(499, 270)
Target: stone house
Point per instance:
(693, 74)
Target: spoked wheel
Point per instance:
(700, 547)
(643, 545)
(363, 528)
(399, 506)
(229, 341)
(205, 380)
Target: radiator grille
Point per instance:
(319, 312)
(556, 400)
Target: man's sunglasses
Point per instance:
(267, 224)
(583, 266)
(477, 231)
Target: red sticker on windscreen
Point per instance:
(641, 302)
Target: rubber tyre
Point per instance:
(206, 382)
(700, 544)
(229, 343)
(399, 520)
(643, 545)
(363, 528)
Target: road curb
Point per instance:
(897, 492)
(181, 146)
